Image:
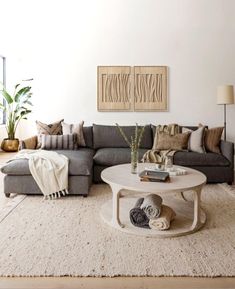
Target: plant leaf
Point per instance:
(18, 84)
(7, 96)
(23, 91)
(2, 107)
(28, 102)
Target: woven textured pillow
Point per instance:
(51, 129)
(212, 139)
(77, 129)
(196, 139)
(170, 129)
(175, 142)
(59, 142)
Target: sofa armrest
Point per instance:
(29, 143)
(227, 150)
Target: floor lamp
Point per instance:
(225, 95)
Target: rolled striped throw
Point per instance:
(59, 142)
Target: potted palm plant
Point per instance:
(16, 107)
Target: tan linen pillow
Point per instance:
(176, 142)
(196, 139)
(170, 129)
(29, 143)
(212, 139)
(75, 129)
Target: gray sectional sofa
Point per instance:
(105, 147)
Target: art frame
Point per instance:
(126, 88)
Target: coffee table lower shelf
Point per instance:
(182, 225)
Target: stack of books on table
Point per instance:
(154, 176)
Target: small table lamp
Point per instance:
(225, 95)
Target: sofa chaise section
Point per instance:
(18, 178)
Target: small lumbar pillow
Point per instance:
(77, 129)
(213, 138)
(175, 142)
(59, 142)
(196, 139)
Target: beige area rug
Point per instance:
(66, 237)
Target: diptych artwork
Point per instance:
(138, 88)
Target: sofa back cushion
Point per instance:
(88, 136)
(105, 136)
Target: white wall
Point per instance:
(61, 43)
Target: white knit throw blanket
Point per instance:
(49, 170)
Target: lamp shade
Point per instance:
(225, 94)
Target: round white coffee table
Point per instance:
(126, 187)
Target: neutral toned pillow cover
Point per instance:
(196, 139)
(170, 129)
(77, 129)
(213, 138)
(175, 142)
(59, 142)
(51, 129)
(29, 143)
(48, 129)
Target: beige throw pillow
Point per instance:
(196, 139)
(75, 129)
(213, 138)
(170, 129)
(175, 142)
(48, 129)
(29, 143)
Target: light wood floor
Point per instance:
(109, 283)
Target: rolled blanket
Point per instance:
(163, 222)
(152, 206)
(137, 215)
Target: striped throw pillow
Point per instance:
(213, 138)
(75, 128)
(59, 142)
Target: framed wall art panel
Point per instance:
(150, 88)
(114, 88)
(126, 88)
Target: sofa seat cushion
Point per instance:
(115, 156)
(106, 136)
(200, 159)
(80, 163)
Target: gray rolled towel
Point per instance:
(152, 205)
(137, 215)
